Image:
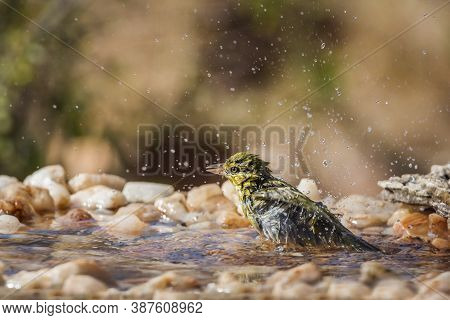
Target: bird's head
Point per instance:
(241, 167)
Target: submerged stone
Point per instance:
(85, 180)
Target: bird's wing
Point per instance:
(287, 216)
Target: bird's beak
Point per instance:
(216, 169)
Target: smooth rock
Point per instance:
(230, 192)
(145, 212)
(392, 289)
(85, 180)
(441, 244)
(435, 288)
(82, 286)
(216, 203)
(168, 279)
(56, 276)
(373, 271)
(230, 282)
(21, 209)
(397, 216)
(347, 290)
(74, 218)
(308, 273)
(9, 224)
(197, 196)
(7, 180)
(204, 225)
(174, 206)
(309, 188)
(98, 197)
(125, 225)
(2, 269)
(362, 212)
(146, 192)
(39, 198)
(413, 225)
(52, 178)
(231, 219)
(437, 226)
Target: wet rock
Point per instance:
(74, 218)
(98, 197)
(166, 280)
(230, 282)
(413, 225)
(437, 226)
(52, 178)
(307, 273)
(9, 224)
(215, 204)
(21, 209)
(434, 287)
(204, 225)
(145, 212)
(174, 206)
(56, 276)
(7, 180)
(82, 286)
(85, 180)
(392, 289)
(125, 225)
(432, 190)
(347, 290)
(39, 198)
(441, 244)
(146, 192)
(373, 271)
(231, 219)
(399, 214)
(230, 192)
(197, 196)
(309, 188)
(362, 212)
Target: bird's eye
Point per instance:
(234, 170)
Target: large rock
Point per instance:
(21, 209)
(197, 197)
(146, 192)
(98, 197)
(85, 180)
(52, 178)
(38, 197)
(430, 190)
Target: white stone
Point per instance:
(6, 180)
(309, 188)
(98, 197)
(146, 192)
(82, 285)
(85, 180)
(126, 225)
(38, 197)
(347, 290)
(51, 178)
(230, 192)
(145, 212)
(9, 224)
(197, 196)
(392, 289)
(174, 206)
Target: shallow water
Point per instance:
(201, 254)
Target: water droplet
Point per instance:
(369, 129)
(322, 45)
(325, 163)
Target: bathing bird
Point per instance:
(280, 212)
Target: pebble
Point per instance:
(436, 287)
(437, 226)
(7, 180)
(214, 204)
(308, 273)
(197, 196)
(21, 209)
(2, 269)
(9, 224)
(125, 225)
(230, 282)
(362, 212)
(441, 244)
(74, 218)
(98, 197)
(309, 188)
(392, 289)
(413, 225)
(174, 206)
(82, 286)
(397, 215)
(231, 219)
(230, 192)
(373, 271)
(146, 192)
(145, 212)
(347, 290)
(55, 277)
(85, 180)
(39, 198)
(52, 178)
(204, 225)
(168, 279)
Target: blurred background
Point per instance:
(226, 62)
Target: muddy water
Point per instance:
(200, 253)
